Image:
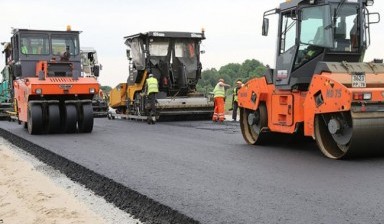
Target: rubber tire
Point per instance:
(53, 119)
(70, 118)
(86, 118)
(34, 119)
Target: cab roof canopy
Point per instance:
(167, 34)
(293, 3)
(16, 30)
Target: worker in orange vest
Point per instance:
(219, 95)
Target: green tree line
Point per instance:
(106, 89)
(231, 72)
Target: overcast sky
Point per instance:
(233, 28)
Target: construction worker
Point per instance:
(101, 94)
(219, 95)
(354, 35)
(152, 88)
(235, 105)
(24, 46)
(27, 48)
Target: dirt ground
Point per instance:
(29, 197)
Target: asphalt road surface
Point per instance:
(207, 172)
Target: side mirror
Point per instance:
(17, 70)
(96, 70)
(265, 27)
(128, 52)
(373, 18)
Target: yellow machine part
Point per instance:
(137, 87)
(119, 94)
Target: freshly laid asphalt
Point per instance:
(208, 173)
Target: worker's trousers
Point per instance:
(234, 111)
(152, 102)
(218, 113)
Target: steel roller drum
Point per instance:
(364, 138)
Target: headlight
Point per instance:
(92, 91)
(367, 96)
(38, 91)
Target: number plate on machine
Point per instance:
(358, 80)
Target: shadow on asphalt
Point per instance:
(302, 144)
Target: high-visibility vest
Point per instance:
(218, 91)
(235, 94)
(152, 85)
(24, 50)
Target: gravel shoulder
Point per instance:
(32, 192)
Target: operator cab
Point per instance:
(311, 31)
(60, 49)
(173, 57)
(90, 66)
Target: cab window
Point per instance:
(60, 43)
(34, 44)
(288, 32)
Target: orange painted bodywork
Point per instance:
(286, 108)
(25, 88)
(338, 95)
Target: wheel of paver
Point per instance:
(252, 122)
(86, 118)
(70, 118)
(110, 116)
(53, 125)
(34, 119)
